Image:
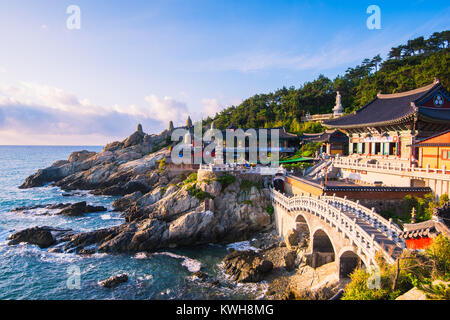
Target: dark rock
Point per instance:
(80, 208)
(113, 146)
(42, 177)
(84, 251)
(134, 214)
(114, 281)
(41, 236)
(289, 260)
(80, 155)
(134, 139)
(247, 266)
(201, 275)
(126, 202)
(292, 238)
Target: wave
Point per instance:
(191, 264)
(242, 246)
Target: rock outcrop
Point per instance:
(67, 209)
(114, 167)
(246, 266)
(43, 237)
(162, 208)
(114, 281)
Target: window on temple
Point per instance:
(392, 149)
(355, 148)
(377, 148)
(386, 148)
(446, 155)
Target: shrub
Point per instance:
(162, 164)
(357, 289)
(440, 291)
(423, 206)
(270, 210)
(439, 254)
(199, 193)
(225, 180)
(191, 178)
(246, 185)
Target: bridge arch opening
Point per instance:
(322, 249)
(301, 233)
(278, 183)
(348, 262)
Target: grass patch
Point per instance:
(270, 210)
(162, 164)
(246, 185)
(199, 193)
(225, 180)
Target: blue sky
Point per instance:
(152, 61)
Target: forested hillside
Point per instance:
(408, 66)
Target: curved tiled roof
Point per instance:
(392, 108)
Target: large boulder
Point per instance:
(80, 155)
(80, 208)
(40, 236)
(290, 260)
(114, 281)
(247, 266)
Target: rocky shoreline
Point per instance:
(163, 209)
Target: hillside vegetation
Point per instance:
(408, 66)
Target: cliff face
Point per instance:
(162, 208)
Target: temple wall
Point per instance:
(294, 186)
(372, 177)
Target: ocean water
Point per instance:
(28, 272)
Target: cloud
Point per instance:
(30, 110)
(339, 51)
(34, 112)
(211, 107)
(166, 109)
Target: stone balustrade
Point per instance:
(333, 210)
(393, 168)
(377, 221)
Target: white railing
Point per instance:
(316, 168)
(336, 217)
(369, 215)
(237, 169)
(394, 168)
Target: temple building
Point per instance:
(288, 143)
(387, 126)
(421, 235)
(399, 140)
(333, 141)
(434, 152)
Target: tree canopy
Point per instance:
(408, 66)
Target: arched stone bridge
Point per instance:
(339, 230)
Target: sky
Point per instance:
(151, 62)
